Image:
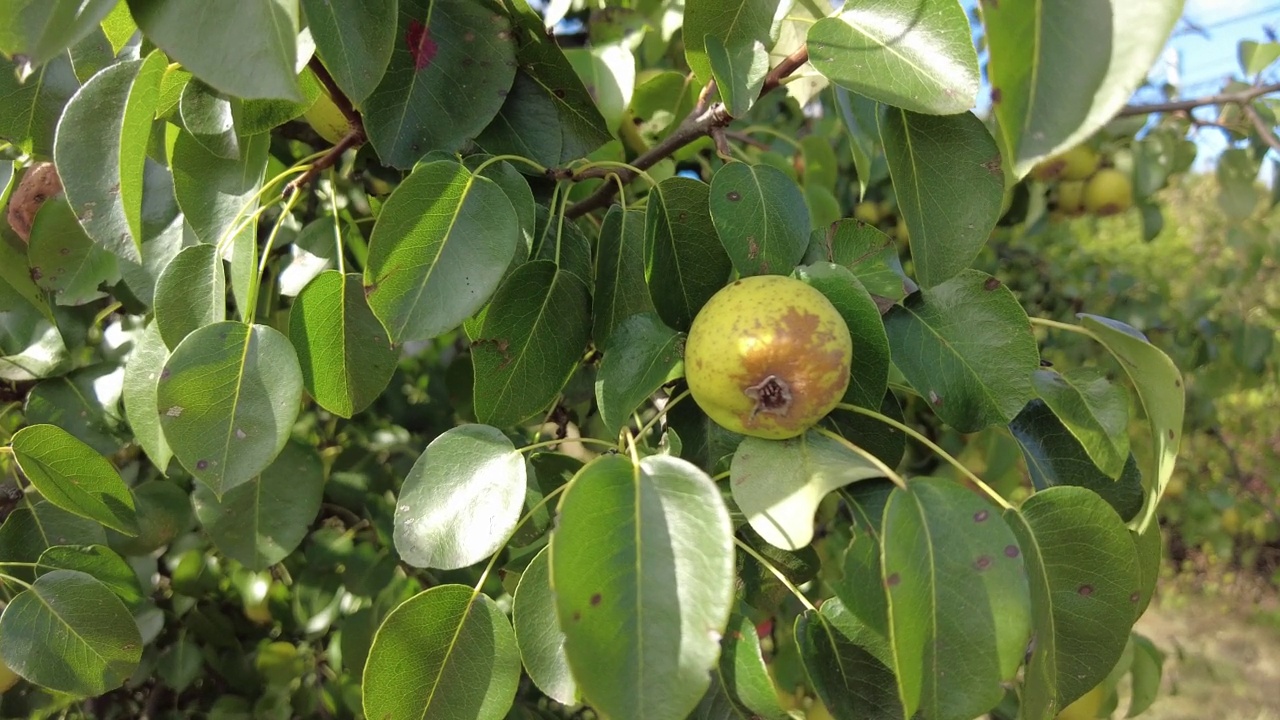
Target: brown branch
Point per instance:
(1241, 97)
(326, 161)
(335, 93)
(1268, 134)
(698, 124)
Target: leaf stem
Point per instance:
(875, 461)
(251, 312)
(499, 158)
(604, 169)
(337, 228)
(919, 437)
(562, 441)
(763, 130)
(1045, 322)
(654, 420)
(524, 519)
(9, 578)
(776, 573)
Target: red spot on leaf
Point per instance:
(421, 46)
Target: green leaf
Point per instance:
(28, 532)
(440, 247)
(163, 233)
(461, 499)
(141, 373)
(758, 586)
(227, 399)
(640, 642)
(609, 74)
(641, 356)
(39, 31)
(851, 682)
(73, 476)
(118, 26)
(69, 633)
(738, 71)
(258, 116)
(869, 253)
(548, 116)
(684, 260)
(533, 613)
(207, 115)
(443, 40)
(820, 165)
(517, 190)
(246, 51)
(64, 261)
(913, 54)
(869, 371)
(966, 346)
(761, 218)
(733, 22)
(1056, 457)
(743, 674)
(1147, 670)
(1159, 387)
(354, 38)
(31, 109)
(101, 147)
(1084, 594)
(1052, 89)
(1237, 195)
(346, 357)
(1150, 548)
(949, 185)
(1254, 58)
(530, 342)
(191, 293)
(261, 522)
(620, 289)
(425, 659)
(164, 511)
(1095, 410)
(101, 563)
(84, 403)
(215, 193)
(959, 605)
(778, 484)
(564, 243)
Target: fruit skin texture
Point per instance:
(768, 356)
(1108, 192)
(326, 119)
(1071, 197)
(1078, 163)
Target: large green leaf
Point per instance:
(869, 371)
(64, 260)
(207, 114)
(215, 193)
(739, 72)
(28, 532)
(548, 115)
(420, 105)
(1085, 594)
(346, 357)
(620, 289)
(228, 396)
(967, 347)
(609, 73)
(354, 38)
(533, 336)
(869, 253)
(103, 564)
(684, 260)
(1159, 387)
(191, 293)
(859, 116)
(461, 500)
(1094, 409)
(163, 233)
(1052, 88)
(641, 356)
(447, 652)
(31, 109)
(959, 605)
(761, 218)
(261, 522)
(850, 680)
(101, 147)
(69, 633)
(73, 476)
(533, 613)
(244, 50)
(743, 674)
(949, 185)
(1056, 457)
(917, 55)
(141, 373)
(438, 251)
(778, 483)
(642, 567)
(39, 31)
(734, 23)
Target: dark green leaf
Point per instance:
(641, 356)
(759, 587)
(739, 73)
(966, 346)
(684, 260)
(533, 613)
(101, 563)
(227, 399)
(164, 512)
(851, 682)
(206, 114)
(761, 218)
(28, 532)
(949, 185)
(733, 22)
(141, 373)
(1093, 409)
(30, 111)
(913, 54)
(620, 289)
(84, 403)
(215, 193)
(73, 476)
(191, 293)
(869, 253)
(869, 371)
(354, 38)
(39, 31)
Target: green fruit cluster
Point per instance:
(1081, 182)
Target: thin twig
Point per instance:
(1268, 134)
(326, 161)
(1240, 98)
(339, 98)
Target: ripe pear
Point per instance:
(1078, 163)
(1108, 192)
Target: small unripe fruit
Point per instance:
(326, 119)
(1071, 197)
(1108, 192)
(868, 212)
(1077, 163)
(768, 356)
(39, 183)
(1087, 707)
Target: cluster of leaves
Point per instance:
(226, 493)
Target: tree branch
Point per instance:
(1241, 97)
(703, 121)
(335, 93)
(355, 136)
(1268, 134)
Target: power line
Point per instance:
(1197, 28)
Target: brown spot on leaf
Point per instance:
(991, 284)
(1011, 551)
(1085, 590)
(595, 600)
(892, 580)
(734, 196)
(1134, 596)
(995, 96)
(421, 46)
(983, 562)
(981, 516)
